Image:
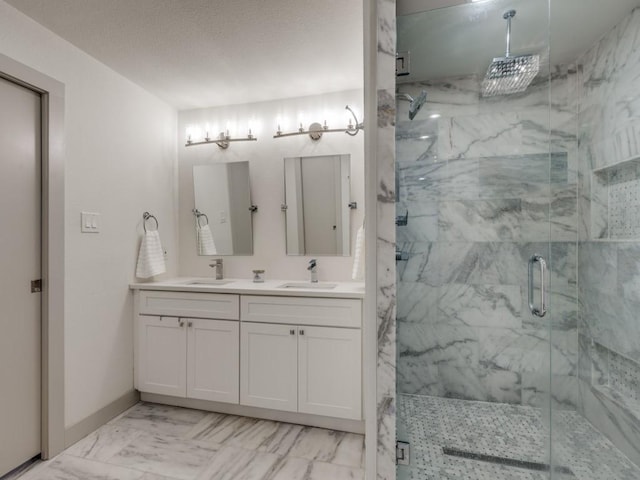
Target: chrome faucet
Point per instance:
(217, 264)
(313, 268)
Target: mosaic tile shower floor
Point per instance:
(501, 430)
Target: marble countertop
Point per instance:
(295, 288)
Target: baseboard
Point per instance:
(84, 427)
(341, 424)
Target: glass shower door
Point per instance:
(479, 187)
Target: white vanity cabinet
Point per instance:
(188, 357)
(302, 355)
(329, 372)
(213, 360)
(294, 357)
(161, 366)
(269, 372)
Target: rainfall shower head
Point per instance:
(509, 74)
(414, 104)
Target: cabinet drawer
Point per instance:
(186, 304)
(336, 312)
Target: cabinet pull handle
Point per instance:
(292, 332)
(181, 323)
(301, 332)
(190, 324)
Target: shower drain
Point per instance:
(542, 467)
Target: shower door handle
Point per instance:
(542, 311)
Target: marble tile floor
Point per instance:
(501, 430)
(159, 442)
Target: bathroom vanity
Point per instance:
(288, 351)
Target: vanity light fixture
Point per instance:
(223, 140)
(316, 130)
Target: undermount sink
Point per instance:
(319, 285)
(208, 281)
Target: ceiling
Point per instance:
(462, 40)
(201, 53)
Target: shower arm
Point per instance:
(404, 96)
(508, 15)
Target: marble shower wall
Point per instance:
(609, 233)
(482, 195)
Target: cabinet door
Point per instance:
(330, 372)
(213, 361)
(269, 366)
(162, 355)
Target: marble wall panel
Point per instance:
(528, 351)
(515, 176)
(429, 181)
(480, 305)
(461, 180)
(420, 181)
(628, 278)
(486, 135)
(417, 140)
(564, 213)
(439, 344)
(417, 303)
(561, 391)
(494, 220)
(610, 416)
(482, 384)
(422, 221)
(599, 205)
(598, 265)
(609, 306)
(593, 364)
(416, 376)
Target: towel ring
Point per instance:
(147, 216)
(198, 215)
(198, 220)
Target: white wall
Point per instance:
(120, 161)
(267, 178)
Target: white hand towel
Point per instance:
(358, 256)
(206, 245)
(151, 256)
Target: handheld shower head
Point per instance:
(414, 104)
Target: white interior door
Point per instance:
(20, 250)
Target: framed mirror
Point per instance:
(223, 209)
(317, 203)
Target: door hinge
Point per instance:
(36, 286)
(402, 63)
(402, 453)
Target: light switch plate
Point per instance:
(90, 222)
